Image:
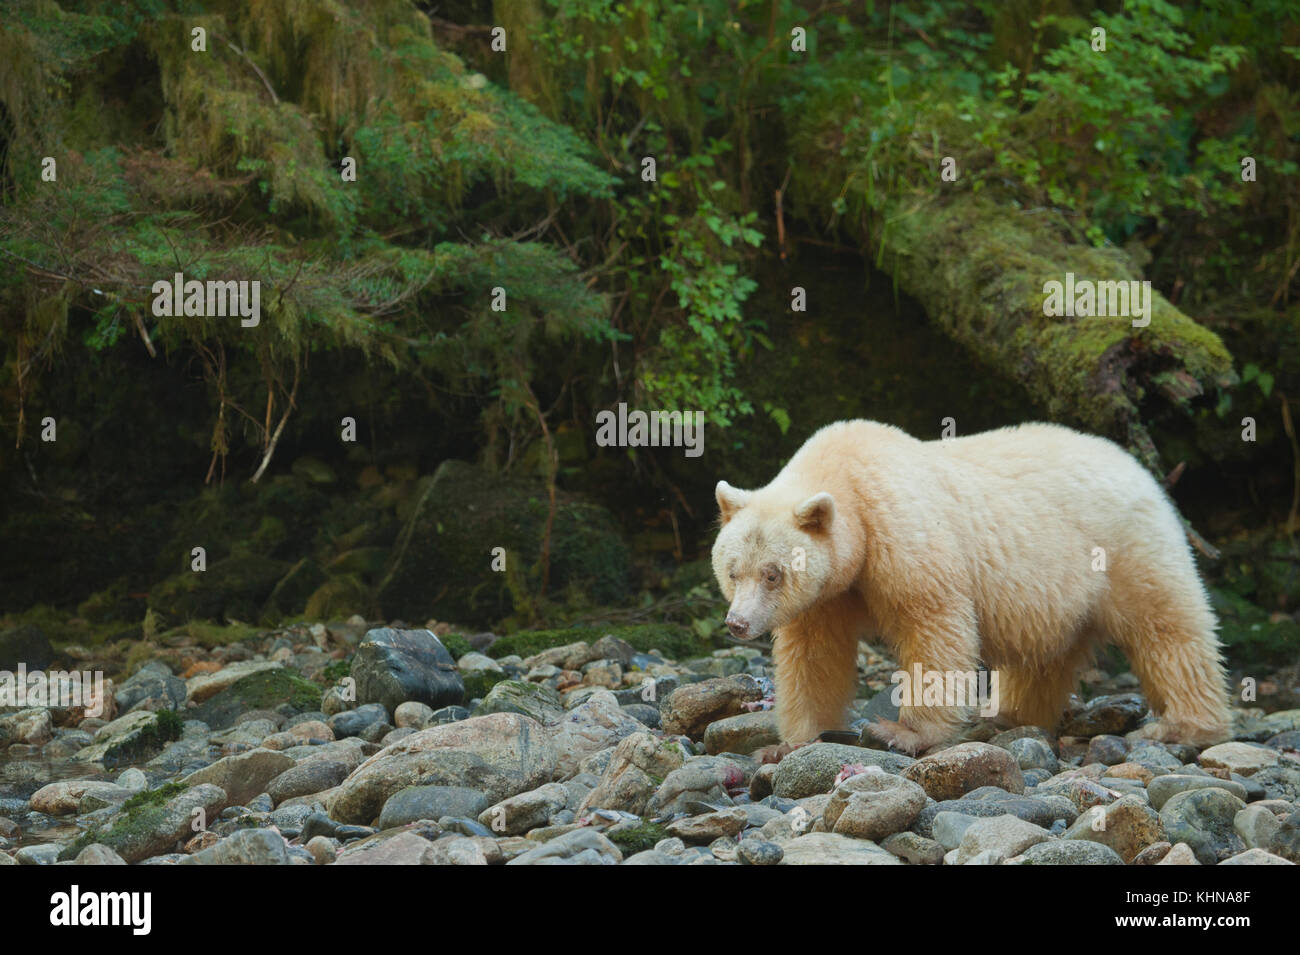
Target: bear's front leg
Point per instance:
(816, 659)
(944, 645)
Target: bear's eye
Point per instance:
(771, 575)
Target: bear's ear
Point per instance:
(730, 500)
(816, 513)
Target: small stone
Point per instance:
(914, 848)
(1181, 854)
(1243, 758)
(1256, 857)
(952, 772)
(759, 852)
(703, 829)
(688, 710)
(1068, 852)
(1128, 826)
(1107, 750)
(1162, 788)
(1203, 818)
(1007, 835)
(1256, 826)
(873, 804)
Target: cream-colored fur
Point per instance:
(968, 550)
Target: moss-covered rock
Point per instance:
(267, 690)
(529, 699)
(676, 642)
(339, 596)
(636, 839)
(442, 563)
(234, 588)
(293, 590)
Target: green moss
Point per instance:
(456, 645)
(209, 634)
(337, 597)
(271, 688)
(477, 684)
(154, 797)
(638, 838)
(677, 642)
(338, 670)
(166, 727)
(1249, 637)
(135, 814)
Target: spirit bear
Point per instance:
(1023, 548)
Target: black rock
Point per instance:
(394, 666)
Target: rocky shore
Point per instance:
(349, 744)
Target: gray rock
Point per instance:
(828, 848)
(153, 682)
(154, 829)
(1045, 811)
(1203, 819)
(754, 851)
(243, 775)
(1257, 827)
(430, 802)
(812, 769)
(949, 827)
(1279, 782)
(541, 703)
(1256, 857)
(45, 853)
(1162, 788)
(742, 734)
(393, 666)
(307, 778)
(500, 754)
(354, 722)
(1107, 750)
(245, 847)
(1033, 754)
(1106, 715)
(1005, 835)
(914, 848)
(689, 709)
(95, 854)
(583, 846)
(1069, 852)
(873, 804)
(1128, 826)
(953, 772)
(591, 726)
(634, 770)
(524, 811)
(701, 781)
(1285, 842)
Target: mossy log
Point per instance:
(979, 266)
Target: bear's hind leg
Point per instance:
(1170, 643)
(816, 661)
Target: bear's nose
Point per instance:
(738, 626)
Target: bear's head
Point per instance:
(774, 556)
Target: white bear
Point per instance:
(1023, 548)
